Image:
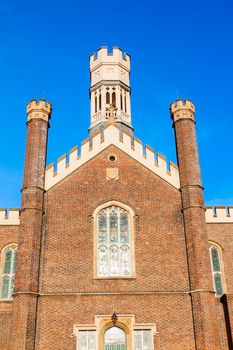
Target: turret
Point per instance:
(29, 248)
(201, 286)
(110, 86)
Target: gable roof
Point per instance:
(111, 135)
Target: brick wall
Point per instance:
(8, 235)
(67, 264)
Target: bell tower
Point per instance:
(110, 87)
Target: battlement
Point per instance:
(103, 56)
(219, 214)
(112, 135)
(182, 104)
(39, 109)
(182, 110)
(10, 217)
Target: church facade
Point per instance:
(113, 248)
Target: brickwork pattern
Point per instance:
(28, 259)
(8, 235)
(206, 330)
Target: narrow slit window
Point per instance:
(107, 97)
(95, 104)
(100, 102)
(125, 105)
(114, 99)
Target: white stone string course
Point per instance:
(213, 215)
(112, 136)
(10, 217)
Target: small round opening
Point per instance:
(112, 158)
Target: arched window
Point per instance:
(216, 266)
(8, 272)
(114, 242)
(115, 339)
(121, 102)
(100, 104)
(114, 99)
(95, 104)
(107, 97)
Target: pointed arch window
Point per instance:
(8, 272)
(107, 97)
(121, 98)
(216, 266)
(114, 338)
(114, 242)
(100, 102)
(114, 99)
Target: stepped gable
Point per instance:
(10, 217)
(112, 135)
(219, 214)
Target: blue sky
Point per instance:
(183, 46)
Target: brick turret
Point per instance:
(201, 287)
(27, 277)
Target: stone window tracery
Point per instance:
(8, 272)
(216, 266)
(114, 242)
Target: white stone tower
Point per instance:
(110, 88)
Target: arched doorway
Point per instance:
(114, 339)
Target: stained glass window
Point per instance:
(8, 273)
(216, 270)
(142, 340)
(87, 340)
(113, 243)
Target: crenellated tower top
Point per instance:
(39, 110)
(182, 110)
(110, 86)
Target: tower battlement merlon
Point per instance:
(182, 109)
(39, 110)
(9, 217)
(104, 56)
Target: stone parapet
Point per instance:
(125, 142)
(219, 214)
(103, 56)
(9, 217)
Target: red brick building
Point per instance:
(115, 250)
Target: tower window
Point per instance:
(121, 102)
(114, 243)
(95, 104)
(114, 99)
(8, 272)
(107, 97)
(125, 105)
(216, 269)
(100, 102)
